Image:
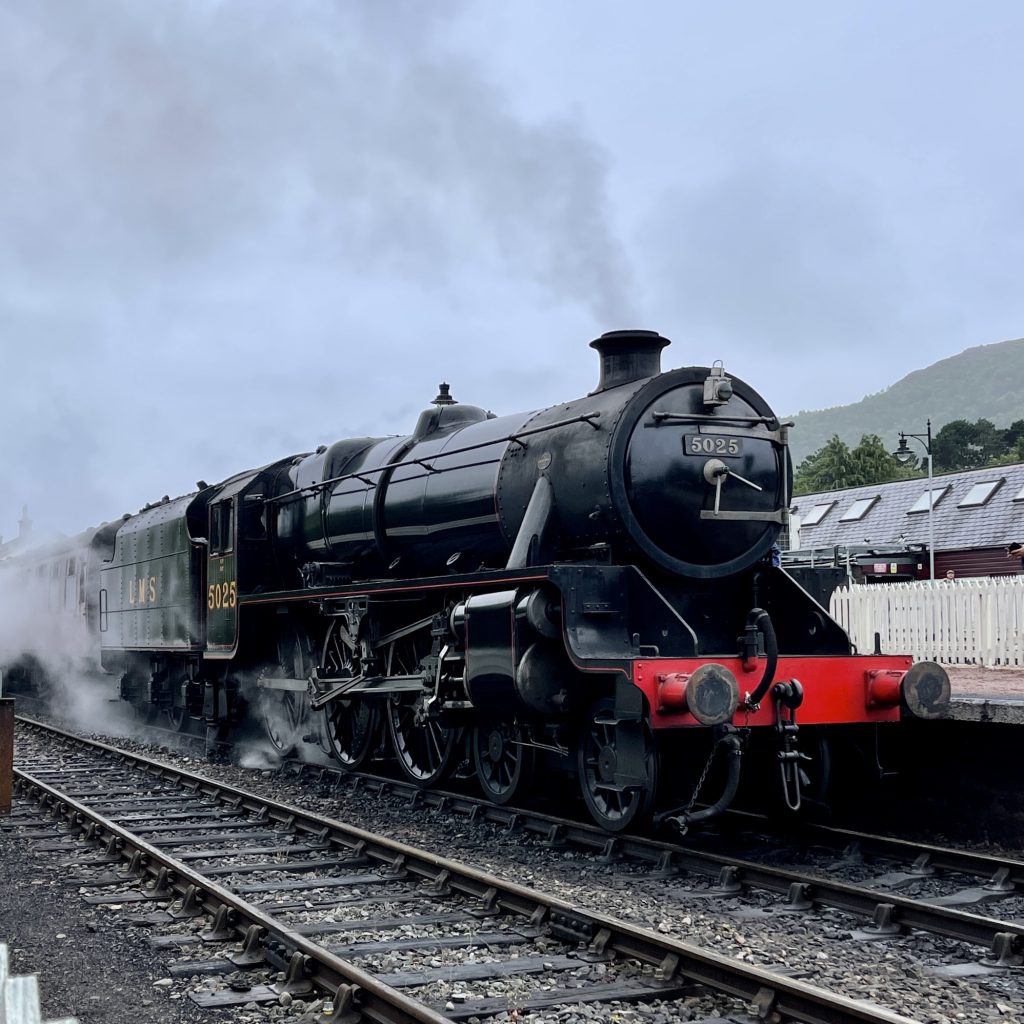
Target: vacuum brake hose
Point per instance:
(759, 618)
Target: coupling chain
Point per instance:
(703, 778)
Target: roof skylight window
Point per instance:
(817, 513)
(859, 509)
(921, 505)
(980, 493)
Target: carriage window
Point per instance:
(221, 538)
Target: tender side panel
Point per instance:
(147, 590)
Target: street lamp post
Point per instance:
(904, 454)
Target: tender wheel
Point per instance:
(504, 764)
(350, 727)
(425, 752)
(598, 756)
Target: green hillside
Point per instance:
(985, 381)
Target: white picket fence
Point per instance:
(977, 621)
(19, 997)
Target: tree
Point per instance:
(835, 466)
(1013, 435)
(963, 445)
(949, 444)
(958, 445)
(827, 469)
(873, 463)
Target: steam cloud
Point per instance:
(214, 199)
(179, 132)
(56, 645)
(45, 629)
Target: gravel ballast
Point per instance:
(895, 974)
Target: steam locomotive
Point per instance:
(590, 586)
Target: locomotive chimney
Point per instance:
(627, 356)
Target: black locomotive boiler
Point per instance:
(589, 585)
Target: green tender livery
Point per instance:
(150, 590)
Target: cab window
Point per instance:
(253, 525)
(221, 533)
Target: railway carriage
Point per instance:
(589, 586)
(50, 612)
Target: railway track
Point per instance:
(267, 887)
(957, 878)
(739, 862)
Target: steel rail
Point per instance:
(803, 890)
(908, 851)
(342, 979)
(770, 992)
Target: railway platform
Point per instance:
(993, 695)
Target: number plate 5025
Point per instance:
(713, 444)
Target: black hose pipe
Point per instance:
(682, 819)
(758, 617)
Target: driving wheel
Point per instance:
(424, 748)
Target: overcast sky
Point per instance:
(234, 230)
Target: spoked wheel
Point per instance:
(282, 716)
(285, 712)
(504, 764)
(612, 806)
(350, 726)
(425, 751)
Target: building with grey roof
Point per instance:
(880, 531)
(24, 538)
